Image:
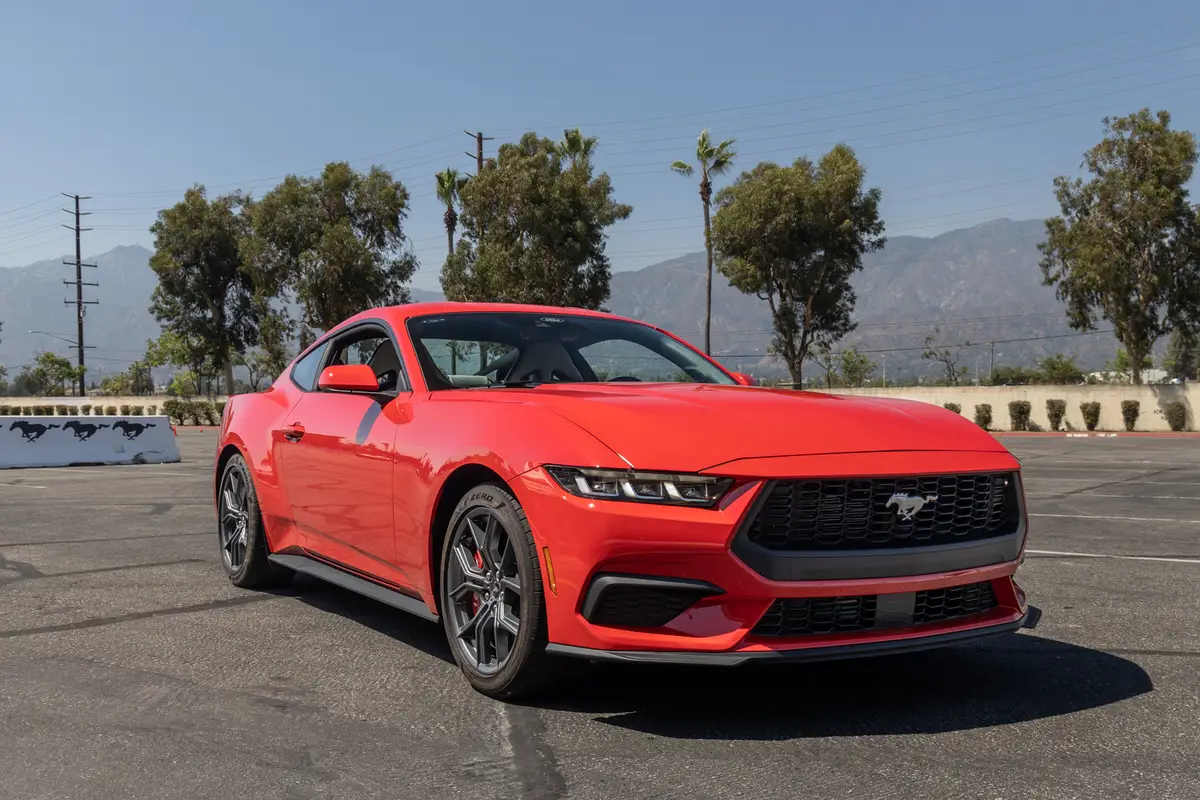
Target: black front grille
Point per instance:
(865, 513)
(937, 605)
(804, 616)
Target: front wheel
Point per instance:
(493, 606)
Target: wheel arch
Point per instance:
(227, 452)
(460, 481)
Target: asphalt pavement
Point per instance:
(131, 668)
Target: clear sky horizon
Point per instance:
(961, 112)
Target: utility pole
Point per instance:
(992, 367)
(79, 283)
(478, 156)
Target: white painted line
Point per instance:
(1140, 496)
(22, 485)
(1121, 519)
(1121, 558)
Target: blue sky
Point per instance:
(962, 112)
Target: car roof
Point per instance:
(401, 313)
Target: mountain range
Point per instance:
(977, 284)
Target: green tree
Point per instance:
(337, 242)
(856, 368)
(1182, 361)
(1127, 246)
(1122, 365)
(794, 236)
(1059, 369)
(449, 184)
(714, 160)
(204, 287)
(534, 232)
(829, 363)
(48, 375)
(174, 350)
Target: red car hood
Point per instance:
(688, 428)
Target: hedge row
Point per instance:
(193, 412)
(1019, 412)
(77, 411)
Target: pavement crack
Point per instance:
(1106, 484)
(534, 759)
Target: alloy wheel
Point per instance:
(484, 589)
(234, 519)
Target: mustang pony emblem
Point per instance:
(907, 505)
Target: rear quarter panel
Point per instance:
(250, 424)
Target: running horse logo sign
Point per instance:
(132, 430)
(31, 431)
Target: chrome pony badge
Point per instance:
(907, 505)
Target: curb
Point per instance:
(1100, 434)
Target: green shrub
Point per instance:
(983, 415)
(1091, 414)
(211, 417)
(174, 409)
(5, 411)
(955, 407)
(110, 411)
(1129, 413)
(137, 411)
(194, 412)
(27, 411)
(85, 409)
(63, 410)
(46, 411)
(1176, 414)
(1018, 414)
(126, 410)
(151, 410)
(1056, 410)
(220, 411)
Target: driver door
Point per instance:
(338, 456)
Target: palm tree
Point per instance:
(575, 147)
(449, 184)
(713, 161)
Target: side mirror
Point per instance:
(743, 379)
(349, 378)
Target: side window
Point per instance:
(373, 347)
(304, 374)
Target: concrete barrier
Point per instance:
(76, 441)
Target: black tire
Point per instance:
(526, 669)
(252, 570)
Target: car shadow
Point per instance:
(405, 628)
(1011, 679)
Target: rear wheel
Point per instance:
(493, 606)
(240, 531)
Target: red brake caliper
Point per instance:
(475, 597)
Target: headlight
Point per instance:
(644, 487)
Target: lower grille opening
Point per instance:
(805, 616)
(632, 601)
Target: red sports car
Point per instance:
(552, 482)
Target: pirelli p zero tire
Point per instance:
(240, 536)
(492, 603)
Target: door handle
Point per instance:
(294, 433)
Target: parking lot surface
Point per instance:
(131, 668)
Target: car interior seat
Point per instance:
(386, 364)
(544, 362)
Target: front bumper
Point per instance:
(583, 542)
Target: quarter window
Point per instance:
(304, 373)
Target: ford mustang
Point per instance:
(550, 483)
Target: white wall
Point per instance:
(1151, 398)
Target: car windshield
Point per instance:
(490, 349)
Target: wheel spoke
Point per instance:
(508, 557)
(491, 542)
(469, 628)
(471, 574)
(506, 621)
(485, 636)
(477, 535)
(502, 636)
(513, 584)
